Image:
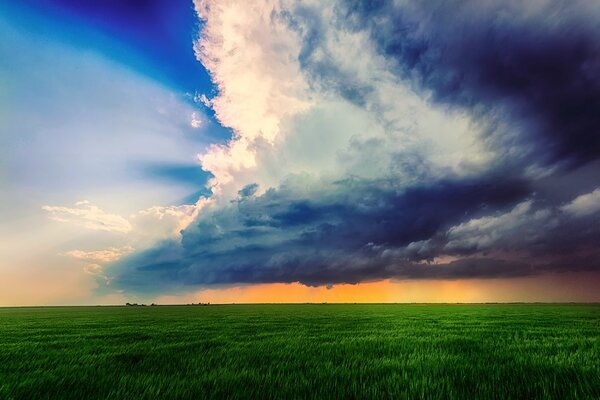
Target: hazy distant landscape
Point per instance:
(310, 351)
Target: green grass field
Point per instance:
(301, 351)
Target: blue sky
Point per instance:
(68, 53)
(165, 148)
(98, 105)
(154, 38)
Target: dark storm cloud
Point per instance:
(353, 236)
(527, 72)
(534, 65)
(284, 236)
(364, 230)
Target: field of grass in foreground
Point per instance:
(301, 351)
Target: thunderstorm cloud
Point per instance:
(389, 139)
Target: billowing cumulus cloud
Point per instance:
(410, 140)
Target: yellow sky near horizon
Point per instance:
(49, 288)
(581, 287)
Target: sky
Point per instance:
(299, 151)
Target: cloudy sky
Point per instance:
(231, 151)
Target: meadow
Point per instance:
(362, 351)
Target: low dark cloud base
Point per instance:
(361, 231)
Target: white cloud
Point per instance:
(89, 216)
(291, 118)
(105, 256)
(203, 99)
(583, 205)
(143, 228)
(253, 58)
(486, 232)
(196, 121)
(160, 222)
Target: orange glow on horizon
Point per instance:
(550, 288)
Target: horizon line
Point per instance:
(305, 303)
